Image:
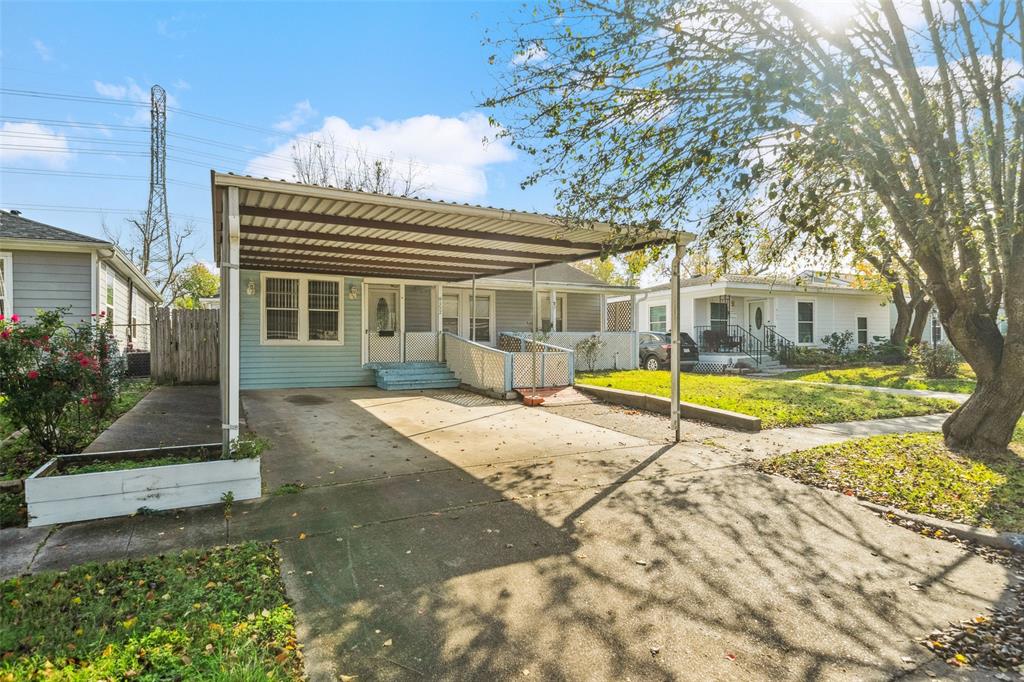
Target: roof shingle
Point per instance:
(13, 226)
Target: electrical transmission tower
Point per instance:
(157, 263)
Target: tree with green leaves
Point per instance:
(194, 283)
(764, 120)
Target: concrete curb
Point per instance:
(653, 403)
(1013, 542)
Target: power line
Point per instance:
(95, 209)
(99, 176)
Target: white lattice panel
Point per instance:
(383, 348)
(552, 369)
(476, 365)
(620, 343)
(420, 346)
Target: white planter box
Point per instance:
(61, 498)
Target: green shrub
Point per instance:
(838, 343)
(590, 349)
(60, 382)
(889, 353)
(941, 361)
(809, 357)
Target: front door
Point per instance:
(757, 319)
(383, 336)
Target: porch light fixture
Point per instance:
(353, 292)
(250, 287)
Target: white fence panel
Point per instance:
(618, 352)
(420, 346)
(476, 365)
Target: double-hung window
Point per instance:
(719, 315)
(658, 318)
(862, 331)
(110, 296)
(805, 322)
(6, 285)
(301, 310)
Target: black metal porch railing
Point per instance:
(730, 338)
(777, 345)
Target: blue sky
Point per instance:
(399, 79)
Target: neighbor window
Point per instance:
(6, 288)
(719, 315)
(450, 313)
(302, 310)
(862, 331)
(659, 321)
(110, 297)
(482, 319)
(805, 322)
(936, 329)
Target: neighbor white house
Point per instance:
(47, 267)
(745, 317)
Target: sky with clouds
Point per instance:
(380, 80)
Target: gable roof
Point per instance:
(801, 280)
(16, 226)
(559, 273)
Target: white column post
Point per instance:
(553, 310)
(533, 325)
(674, 357)
(472, 312)
(440, 322)
(401, 323)
(230, 318)
(604, 313)
(635, 312)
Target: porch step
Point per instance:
(413, 376)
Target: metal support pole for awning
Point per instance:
(673, 318)
(533, 315)
(472, 312)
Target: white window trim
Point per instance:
(303, 327)
(492, 327)
(728, 312)
(867, 329)
(8, 260)
(650, 318)
(814, 322)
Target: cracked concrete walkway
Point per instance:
(489, 540)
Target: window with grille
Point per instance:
(805, 322)
(544, 313)
(450, 313)
(323, 309)
(302, 310)
(862, 331)
(719, 315)
(482, 319)
(281, 298)
(659, 318)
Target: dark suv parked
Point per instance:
(655, 348)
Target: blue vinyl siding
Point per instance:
(300, 366)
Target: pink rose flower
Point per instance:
(15, 319)
(32, 374)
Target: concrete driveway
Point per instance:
(449, 536)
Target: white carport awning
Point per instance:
(303, 228)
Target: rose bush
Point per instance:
(59, 382)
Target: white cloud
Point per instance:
(450, 155)
(130, 91)
(182, 84)
(531, 55)
(21, 141)
(301, 112)
(43, 50)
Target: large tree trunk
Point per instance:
(987, 420)
(921, 315)
(904, 315)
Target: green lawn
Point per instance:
(219, 614)
(21, 457)
(776, 403)
(917, 473)
(898, 376)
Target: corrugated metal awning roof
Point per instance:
(304, 228)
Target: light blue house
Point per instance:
(329, 287)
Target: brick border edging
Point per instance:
(653, 403)
(1013, 542)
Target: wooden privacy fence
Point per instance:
(184, 346)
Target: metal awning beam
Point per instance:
(345, 261)
(396, 243)
(274, 266)
(413, 228)
(370, 253)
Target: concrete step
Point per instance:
(421, 364)
(425, 373)
(417, 385)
